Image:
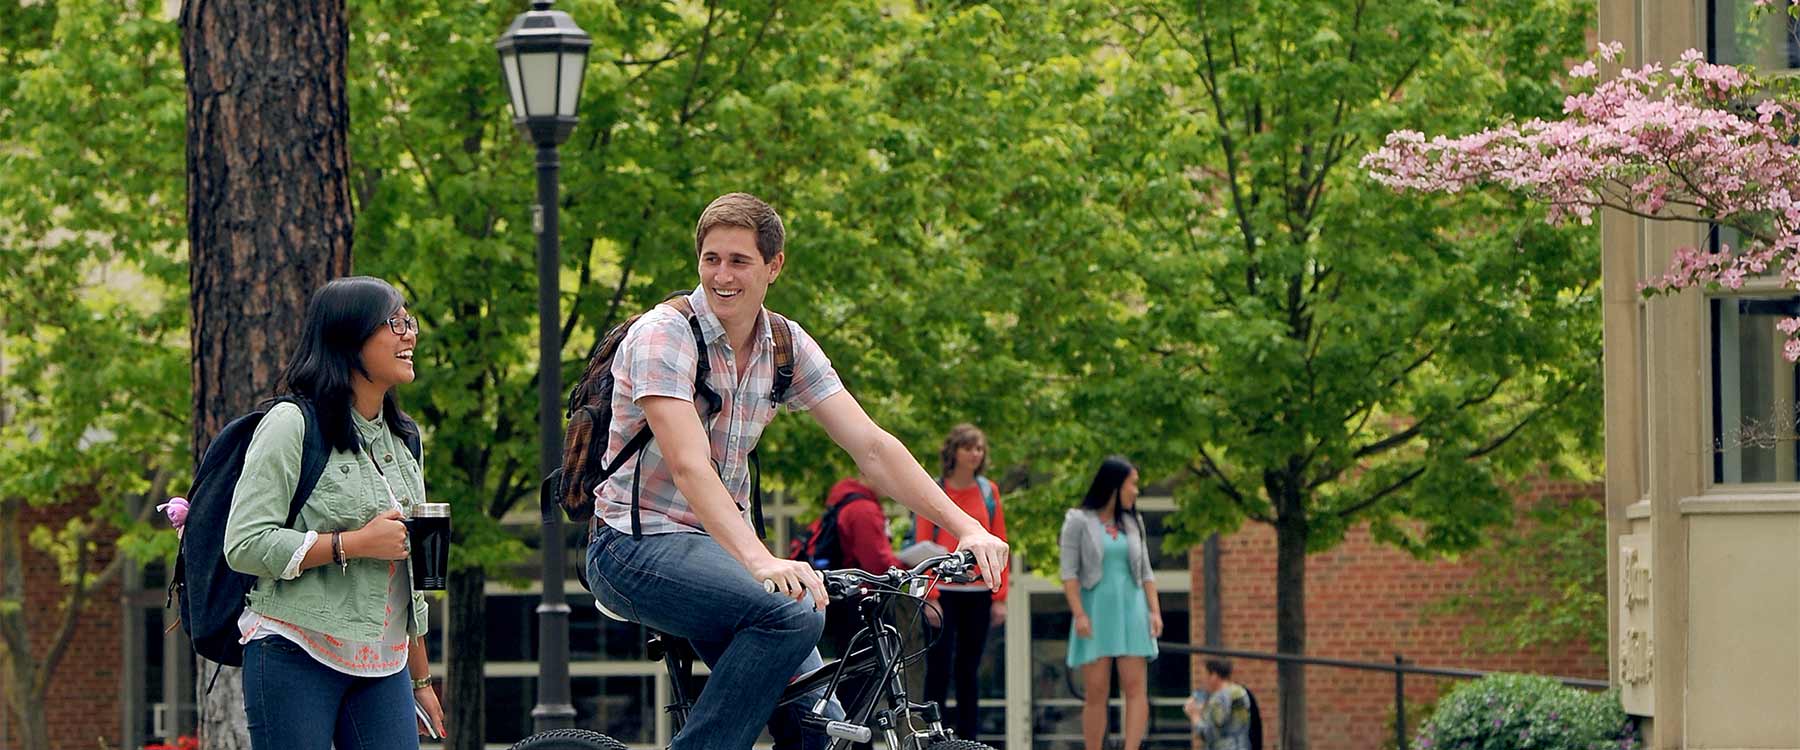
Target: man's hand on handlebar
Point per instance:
(990, 553)
(791, 578)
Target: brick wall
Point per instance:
(1364, 601)
(84, 691)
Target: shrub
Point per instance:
(1418, 713)
(1522, 712)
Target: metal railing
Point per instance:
(1400, 669)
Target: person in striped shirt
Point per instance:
(693, 567)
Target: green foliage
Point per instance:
(1519, 712)
(1033, 216)
(1275, 337)
(1541, 582)
(93, 370)
(93, 367)
(1058, 220)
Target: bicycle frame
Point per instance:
(883, 657)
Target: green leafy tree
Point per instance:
(1542, 582)
(1290, 345)
(93, 375)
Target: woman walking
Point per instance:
(333, 631)
(1112, 594)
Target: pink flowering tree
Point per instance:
(1692, 141)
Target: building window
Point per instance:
(1771, 41)
(1753, 391)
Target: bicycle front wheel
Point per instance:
(958, 745)
(569, 739)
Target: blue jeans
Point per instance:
(689, 587)
(293, 702)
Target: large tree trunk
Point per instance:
(466, 659)
(24, 702)
(269, 217)
(1290, 619)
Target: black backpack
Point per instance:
(584, 465)
(210, 592)
(1256, 727)
(820, 544)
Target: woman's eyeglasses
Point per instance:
(403, 326)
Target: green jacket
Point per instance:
(348, 604)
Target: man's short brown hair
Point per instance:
(746, 211)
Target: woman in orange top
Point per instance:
(968, 610)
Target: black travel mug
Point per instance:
(429, 533)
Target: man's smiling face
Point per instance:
(734, 274)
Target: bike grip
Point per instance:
(768, 585)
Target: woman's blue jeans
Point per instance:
(293, 702)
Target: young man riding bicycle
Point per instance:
(693, 567)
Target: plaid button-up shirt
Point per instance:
(657, 358)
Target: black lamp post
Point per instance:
(544, 56)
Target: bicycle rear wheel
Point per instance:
(569, 739)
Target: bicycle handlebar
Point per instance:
(839, 583)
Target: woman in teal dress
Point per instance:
(1112, 594)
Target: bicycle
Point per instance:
(876, 648)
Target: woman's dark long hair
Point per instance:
(341, 316)
(1108, 481)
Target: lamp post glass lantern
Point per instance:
(543, 57)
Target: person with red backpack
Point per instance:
(671, 547)
(851, 533)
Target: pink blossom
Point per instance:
(1672, 144)
(177, 511)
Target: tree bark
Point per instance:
(24, 702)
(466, 659)
(269, 218)
(1290, 617)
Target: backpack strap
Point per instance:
(413, 445)
(756, 513)
(783, 356)
(988, 497)
(702, 363)
(313, 455)
(631, 448)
